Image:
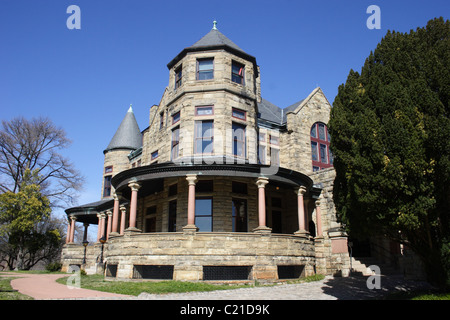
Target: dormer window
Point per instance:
(178, 77)
(205, 69)
(237, 72)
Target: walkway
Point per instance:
(44, 287)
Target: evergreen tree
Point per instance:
(390, 131)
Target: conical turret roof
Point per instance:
(128, 135)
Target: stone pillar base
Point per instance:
(302, 233)
(190, 229)
(133, 230)
(114, 234)
(263, 230)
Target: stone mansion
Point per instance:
(222, 184)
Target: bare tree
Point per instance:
(35, 145)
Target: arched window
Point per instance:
(320, 147)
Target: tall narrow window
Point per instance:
(176, 117)
(161, 120)
(204, 214)
(175, 143)
(238, 139)
(239, 215)
(107, 186)
(178, 77)
(204, 137)
(172, 216)
(237, 72)
(262, 154)
(320, 147)
(205, 69)
(274, 157)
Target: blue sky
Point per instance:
(85, 80)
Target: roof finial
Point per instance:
(130, 109)
(214, 25)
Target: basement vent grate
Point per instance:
(153, 272)
(226, 272)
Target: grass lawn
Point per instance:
(97, 282)
(7, 292)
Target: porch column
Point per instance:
(301, 211)
(190, 227)
(262, 228)
(123, 212)
(102, 225)
(99, 229)
(108, 229)
(68, 232)
(319, 219)
(133, 205)
(115, 216)
(72, 228)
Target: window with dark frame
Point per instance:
(108, 169)
(107, 186)
(239, 215)
(205, 69)
(161, 120)
(320, 147)
(154, 155)
(204, 137)
(172, 227)
(178, 77)
(237, 72)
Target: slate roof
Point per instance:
(270, 112)
(214, 39)
(128, 135)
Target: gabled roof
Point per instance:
(128, 135)
(272, 113)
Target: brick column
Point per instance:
(115, 217)
(108, 229)
(72, 228)
(262, 228)
(301, 211)
(190, 227)
(123, 213)
(318, 220)
(135, 186)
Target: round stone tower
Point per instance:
(127, 140)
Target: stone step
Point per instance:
(361, 265)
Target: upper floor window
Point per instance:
(161, 120)
(320, 147)
(154, 155)
(176, 117)
(239, 114)
(204, 136)
(237, 72)
(175, 148)
(204, 111)
(178, 77)
(107, 186)
(108, 169)
(205, 69)
(238, 139)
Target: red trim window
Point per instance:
(239, 114)
(320, 147)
